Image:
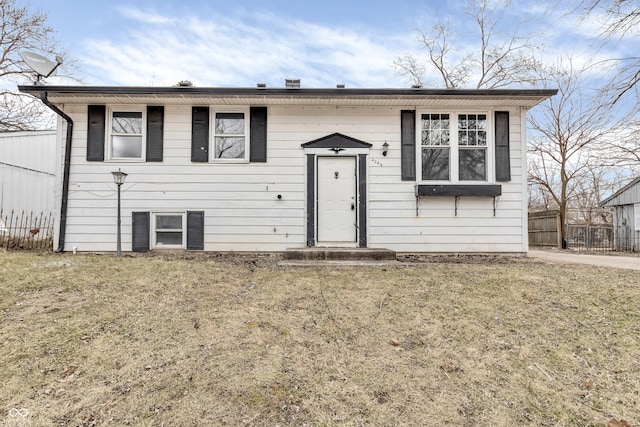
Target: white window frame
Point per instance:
(212, 133)
(454, 147)
(127, 109)
(154, 235)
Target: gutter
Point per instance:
(67, 167)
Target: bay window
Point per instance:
(453, 147)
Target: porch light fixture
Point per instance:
(385, 148)
(118, 178)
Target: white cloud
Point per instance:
(146, 16)
(216, 50)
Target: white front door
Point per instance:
(337, 201)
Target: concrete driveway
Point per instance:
(615, 261)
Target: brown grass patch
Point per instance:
(209, 340)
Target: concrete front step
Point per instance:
(333, 254)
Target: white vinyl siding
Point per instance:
(241, 204)
(636, 211)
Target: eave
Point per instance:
(481, 98)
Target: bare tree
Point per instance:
(22, 29)
(620, 19)
(570, 133)
(495, 59)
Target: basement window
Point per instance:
(169, 230)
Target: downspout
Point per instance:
(67, 167)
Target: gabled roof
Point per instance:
(336, 140)
(615, 198)
(289, 96)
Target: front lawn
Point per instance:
(186, 340)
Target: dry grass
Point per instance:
(205, 340)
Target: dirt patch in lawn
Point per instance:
(91, 340)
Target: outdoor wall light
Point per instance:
(118, 178)
(385, 148)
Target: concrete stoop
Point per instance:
(340, 254)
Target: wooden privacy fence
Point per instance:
(544, 228)
(26, 231)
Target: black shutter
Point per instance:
(408, 144)
(155, 133)
(95, 133)
(200, 134)
(258, 134)
(140, 231)
(195, 231)
(503, 160)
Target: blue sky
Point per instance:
(240, 43)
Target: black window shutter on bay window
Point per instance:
(408, 144)
(503, 159)
(155, 133)
(96, 133)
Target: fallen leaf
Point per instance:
(619, 423)
(395, 341)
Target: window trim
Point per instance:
(153, 230)
(213, 111)
(454, 147)
(109, 132)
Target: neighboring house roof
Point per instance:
(627, 195)
(291, 96)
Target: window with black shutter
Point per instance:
(228, 135)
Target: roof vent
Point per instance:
(184, 83)
(261, 85)
(340, 86)
(292, 83)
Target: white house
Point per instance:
(27, 172)
(271, 169)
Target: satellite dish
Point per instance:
(43, 66)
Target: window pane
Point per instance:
(482, 121)
(128, 147)
(164, 222)
(169, 238)
(482, 138)
(230, 123)
(127, 122)
(463, 137)
(472, 129)
(435, 129)
(229, 148)
(435, 164)
(473, 165)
